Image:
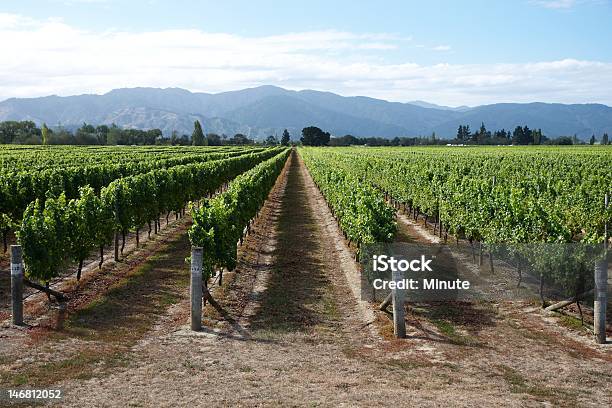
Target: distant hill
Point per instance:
(424, 104)
(266, 110)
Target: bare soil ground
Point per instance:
(288, 330)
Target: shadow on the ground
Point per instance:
(456, 322)
(296, 298)
(133, 304)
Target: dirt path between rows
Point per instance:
(290, 331)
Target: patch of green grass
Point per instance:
(445, 327)
(168, 299)
(76, 366)
(445, 311)
(571, 322)
(519, 384)
(20, 379)
(459, 322)
(329, 307)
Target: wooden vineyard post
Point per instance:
(438, 225)
(601, 290)
(17, 284)
(397, 296)
(601, 299)
(196, 288)
(116, 254)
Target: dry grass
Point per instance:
(96, 338)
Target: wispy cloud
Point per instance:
(72, 2)
(52, 57)
(555, 4)
(564, 4)
(442, 48)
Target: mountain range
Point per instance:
(265, 110)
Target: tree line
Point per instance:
(350, 140)
(27, 132)
(522, 135)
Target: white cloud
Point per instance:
(73, 2)
(51, 57)
(556, 4)
(442, 48)
(564, 4)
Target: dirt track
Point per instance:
(303, 339)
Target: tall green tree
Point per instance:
(102, 134)
(213, 139)
(114, 135)
(285, 138)
(464, 133)
(24, 132)
(44, 131)
(537, 136)
(197, 137)
(522, 136)
(174, 139)
(604, 139)
(592, 140)
(271, 141)
(240, 139)
(575, 139)
(313, 136)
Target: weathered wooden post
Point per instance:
(601, 300)
(601, 289)
(397, 295)
(116, 254)
(119, 193)
(17, 284)
(196, 288)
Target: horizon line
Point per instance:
(412, 102)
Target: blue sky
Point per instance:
(447, 52)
